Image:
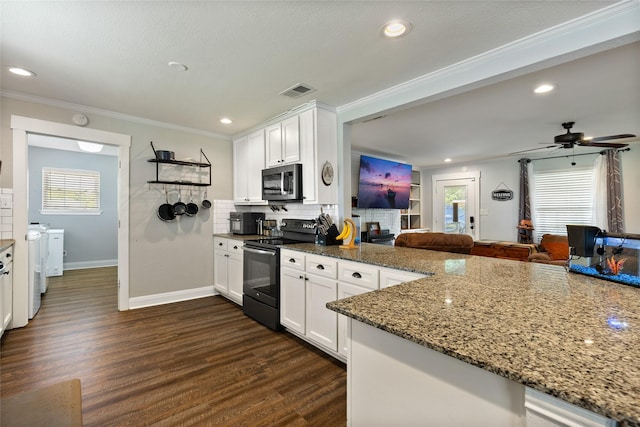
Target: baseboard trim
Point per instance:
(170, 297)
(90, 264)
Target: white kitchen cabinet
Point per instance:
(227, 268)
(293, 299)
(322, 323)
(6, 290)
(319, 154)
(346, 290)
(248, 162)
(391, 277)
(283, 142)
(292, 291)
(308, 282)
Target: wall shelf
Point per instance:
(188, 163)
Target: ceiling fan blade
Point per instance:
(533, 149)
(603, 144)
(607, 138)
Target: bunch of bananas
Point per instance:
(349, 226)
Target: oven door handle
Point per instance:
(260, 251)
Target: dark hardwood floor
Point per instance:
(199, 362)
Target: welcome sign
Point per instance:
(502, 195)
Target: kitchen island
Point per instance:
(534, 325)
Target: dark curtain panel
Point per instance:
(615, 220)
(524, 209)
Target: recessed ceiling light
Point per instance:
(90, 147)
(447, 160)
(178, 66)
(226, 121)
(544, 88)
(19, 71)
(396, 28)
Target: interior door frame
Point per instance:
(22, 126)
(475, 175)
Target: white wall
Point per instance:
(502, 217)
(164, 257)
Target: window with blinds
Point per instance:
(70, 191)
(561, 198)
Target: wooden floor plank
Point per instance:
(198, 362)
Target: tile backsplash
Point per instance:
(221, 209)
(6, 213)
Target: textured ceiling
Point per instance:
(242, 54)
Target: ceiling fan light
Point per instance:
(226, 121)
(544, 88)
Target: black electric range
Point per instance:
(261, 270)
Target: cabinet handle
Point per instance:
(7, 272)
(301, 276)
(306, 278)
(293, 261)
(220, 244)
(357, 275)
(8, 255)
(320, 267)
(227, 255)
(235, 247)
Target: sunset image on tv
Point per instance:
(383, 184)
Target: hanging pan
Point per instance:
(206, 203)
(165, 211)
(192, 208)
(179, 208)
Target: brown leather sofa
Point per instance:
(552, 249)
(456, 243)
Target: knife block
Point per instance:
(330, 238)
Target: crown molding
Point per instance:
(111, 114)
(609, 27)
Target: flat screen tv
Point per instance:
(383, 184)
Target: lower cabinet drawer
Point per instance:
(359, 274)
(292, 259)
(322, 266)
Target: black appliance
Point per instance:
(244, 222)
(282, 183)
(261, 270)
(384, 237)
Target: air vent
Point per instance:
(297, 90)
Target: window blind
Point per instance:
(70, 190)
(561, 198)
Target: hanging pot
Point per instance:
(206, 203)
(192, 208)
(179, 208)
(165, 155)
(165, 211)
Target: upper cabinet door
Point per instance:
(255, 165)
(290, 140)
(283, 142)
(274, 145)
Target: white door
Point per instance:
(455, 205)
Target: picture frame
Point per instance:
(373, 228)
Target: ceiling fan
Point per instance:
(573, 139)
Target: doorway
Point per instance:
(455, 203)
(22, 126)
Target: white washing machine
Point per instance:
(44, 250)
(33, 282)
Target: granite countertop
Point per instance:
(564, 334)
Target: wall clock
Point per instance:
(327, 173)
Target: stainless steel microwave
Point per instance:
(282, 183)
